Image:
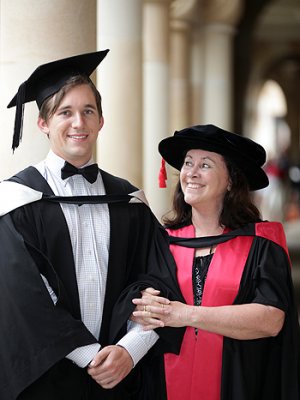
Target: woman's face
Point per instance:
(204, 179)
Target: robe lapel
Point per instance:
(55, 239)
(119, 236)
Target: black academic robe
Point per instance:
(35, 334)
(261, 369)
(267, 368)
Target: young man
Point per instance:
(73, 237)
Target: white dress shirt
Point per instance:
(91, 253)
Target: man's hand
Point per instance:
(110, 366)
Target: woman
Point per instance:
(242, 334)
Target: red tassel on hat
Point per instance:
(162, 177)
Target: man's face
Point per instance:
(73, 128)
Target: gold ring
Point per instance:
(163, 306)
(145, 309)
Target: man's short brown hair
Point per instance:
(51, 104)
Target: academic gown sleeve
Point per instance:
(160, 274)
(267, 368)
(35, 334)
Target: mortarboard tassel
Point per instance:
(20, 99)
(162, 177)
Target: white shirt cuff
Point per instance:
(83, 355)
(137, 341)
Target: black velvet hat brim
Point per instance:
(245, 153)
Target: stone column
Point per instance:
(182, 16)
(179, 75)
(120, 84)
(33, 33)
(220, 17)
(156, 97)
(182, 61)
(196, 74)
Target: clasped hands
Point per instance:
(154, 311)
(110, 366)
(113, 363)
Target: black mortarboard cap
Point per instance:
(248, 155)
(48, 79)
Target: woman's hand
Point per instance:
(149, 318)
(240, 321)
(154, 311)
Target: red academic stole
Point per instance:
(199, 365)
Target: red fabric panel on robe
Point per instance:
(273, 231)
(196, 373)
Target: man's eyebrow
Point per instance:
(63, 107)
(90, 106)
(66, 107)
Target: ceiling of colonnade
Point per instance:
(267, 46)
(279, 20)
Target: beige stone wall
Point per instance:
(33, 32)
(160, 75)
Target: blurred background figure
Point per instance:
(272, 199)
(293, 207)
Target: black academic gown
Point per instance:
(261, 369)
(267, 368)
(35, 334)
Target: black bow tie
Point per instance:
(89, 173)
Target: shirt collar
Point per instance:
(55, 164)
